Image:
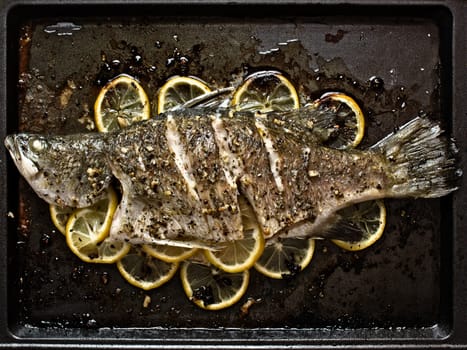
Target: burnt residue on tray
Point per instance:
(335, 38)
(394, 283)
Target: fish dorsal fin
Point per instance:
(316, 125)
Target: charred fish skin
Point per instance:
(64, 170)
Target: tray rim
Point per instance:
(451, 335)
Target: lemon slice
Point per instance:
(178, 90)
(368, 217)
(104, 252)
(86, 234)
(60, 216)
(120, 103)
(144, 271)
(351, 122)
(266, 91)
(285, 257)
(168, 253)
(89, 226)
(211, 288)
(240, 255)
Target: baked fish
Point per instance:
(181, 173)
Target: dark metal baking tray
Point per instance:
(409, 290)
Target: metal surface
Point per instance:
(407, 290)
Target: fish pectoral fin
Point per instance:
(125, 219)
(342, 229)
(334, 226)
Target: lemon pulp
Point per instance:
(266, 91)
(351, 122)
(143, 271)
(87, 229)
(211, 288)
(120, 103)
(60, 216)
(178, 90)
(368, 217)
(285, 257)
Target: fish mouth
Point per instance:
(10, 143)
(12, 146)
(25, 165)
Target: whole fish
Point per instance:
(181, 173)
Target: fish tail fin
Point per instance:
(422, 161)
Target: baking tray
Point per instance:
(408, 290)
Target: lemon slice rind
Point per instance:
(169, 254)
(289, 263)
(179, 90)
(144, 271)
(354, 107)
(215, 289)
(249, 97)
(369, 238)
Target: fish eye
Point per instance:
(38, 145)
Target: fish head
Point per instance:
(57, 168)
(28, 153)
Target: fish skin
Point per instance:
(182, 172)
(169, 209)
(316, 181)
(236, 156)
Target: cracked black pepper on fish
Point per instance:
(182, 172)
